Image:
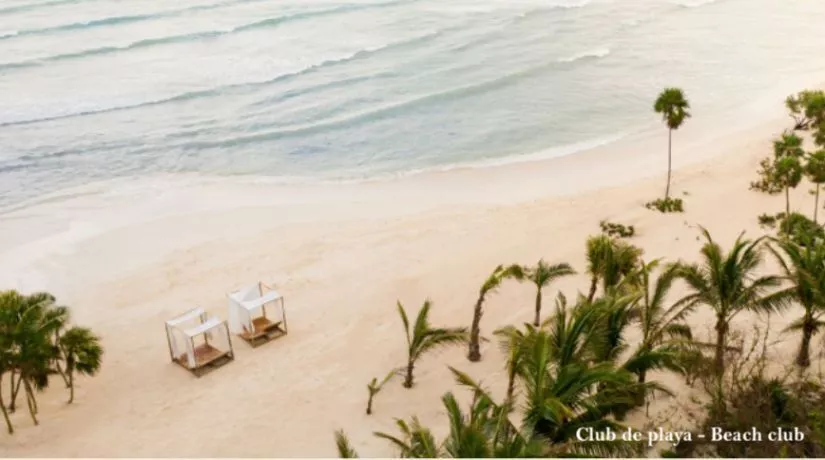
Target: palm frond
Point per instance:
(406, 323)
(343, 445)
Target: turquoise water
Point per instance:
(309, 89)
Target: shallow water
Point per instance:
(316, 89)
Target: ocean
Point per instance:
(321, 90)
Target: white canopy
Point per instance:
(191, 315)
(190, 324)
(248, 301)
(202, 328)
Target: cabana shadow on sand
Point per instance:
(256, 314)
(183, 332)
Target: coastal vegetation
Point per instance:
(493, 282)
(37, 342)
(617, 229)
(374, 387)
(541, 276)
(423, 338)
(578, 371)
(807, 109)
(609, 261)
(784, 408)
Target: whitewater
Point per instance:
(94, 90)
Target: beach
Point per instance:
(355, 155)
(128, 257)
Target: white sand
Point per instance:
(126, 260)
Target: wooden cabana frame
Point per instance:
(257, 314)
(198, 355)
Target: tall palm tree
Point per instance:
(610, 261)
(542, 275)
(804, 267)
(422, 338)
(665, 335)
(728, 283)
(374, 387)
(674, 108)
(492, 283)
(81, 352)
(815, 171)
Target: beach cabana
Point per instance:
(198, 342)
(256, 313)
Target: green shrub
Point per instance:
(767, 221)
(617, 230)
(746, 397)
(800, 228)
(767, 182)
(666, 205)
(766, 404)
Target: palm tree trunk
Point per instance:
(15, 391)
(803, 359)
(71, 388)
(640, 396)
(408, 380)
(474, 354)
(11, 389)
(669, 145)
(511, 384)
(5, 412)
(721, 335)
(58, 356)
(816, 204)
(537, 320)
(31, 394)
(369, 404)
(787, 201)
(30, 402)
(594, 282)
(60, 371)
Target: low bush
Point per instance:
(800, 228)
(748, 398)
(617, 230)
(666, 205)
(767, 221)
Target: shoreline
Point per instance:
(621, 143)
(66, 219)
